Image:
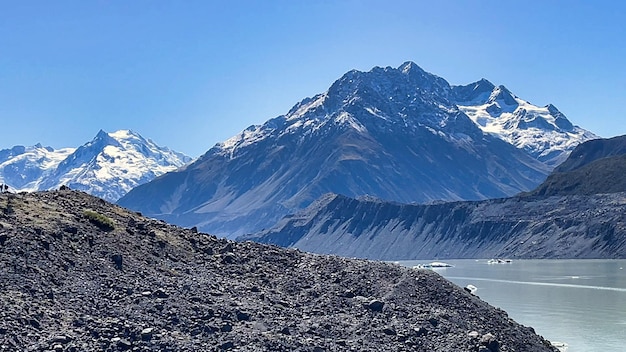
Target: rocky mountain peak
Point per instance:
(392, 133)
(543, 132)
(476, 93)
(410, 67)
(504, 97)
(387, 98)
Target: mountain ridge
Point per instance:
(596, 166)
(556, 227)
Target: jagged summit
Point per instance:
(473, 93)
(410, 96)
(503, 97)
(409, 67)
(407, 96)
(107, 166)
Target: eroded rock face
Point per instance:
(68, 285)
(573, 226)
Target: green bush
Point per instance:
(99, 220)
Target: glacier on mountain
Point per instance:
(543, 132)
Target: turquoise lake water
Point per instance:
(579, 302)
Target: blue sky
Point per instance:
(189, 74)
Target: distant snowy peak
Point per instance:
(113, 163)
(22, 167)
(108, 166)
(544, 132)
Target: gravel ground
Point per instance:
(80, 274)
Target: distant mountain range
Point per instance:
(579, 212)
(397, 134)
(108, 166)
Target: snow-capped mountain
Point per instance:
(544, 132)
(22, 168)
(394, 133)
(108, 166)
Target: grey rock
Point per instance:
(146, 334)
(376, 305)
(389, 331)
(124, 344)
(61, 339)
(489, 340)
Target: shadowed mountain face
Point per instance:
(591, 151)
(597, 166)
(80, 274)
(397, 134)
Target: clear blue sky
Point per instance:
(189, 74)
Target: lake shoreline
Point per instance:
(568, 300)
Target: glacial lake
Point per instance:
(579, 302)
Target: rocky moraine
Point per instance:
(80, 274)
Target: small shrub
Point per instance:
(99, 220)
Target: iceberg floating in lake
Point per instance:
(499, 261)
(561, 346)
(433, 265)
(470, 288)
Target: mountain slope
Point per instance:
(391, 133)
(108, 166)
(69, 283)
(575, 213)
(593, 150)
(543, 132)
(530, 227)
(597, 166)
